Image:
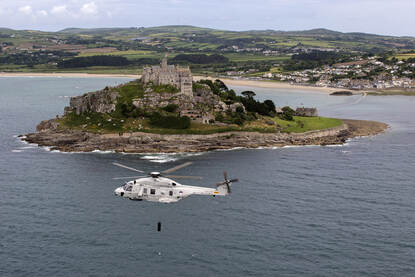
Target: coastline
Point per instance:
(139, 142)
(227, 81)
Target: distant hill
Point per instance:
(189, 28)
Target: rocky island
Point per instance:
(165, 111)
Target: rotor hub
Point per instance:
(155, 174)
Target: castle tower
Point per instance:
(164, 62)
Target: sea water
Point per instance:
(297, 211)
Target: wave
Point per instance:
(102, 151)
(160, 158)
(29, 147)
(168, 157)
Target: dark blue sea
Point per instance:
(300, 211)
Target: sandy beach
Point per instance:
(229, 82)
(269, 84)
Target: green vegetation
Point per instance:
(93, 61)
(99, 123)
(403, 92)
(315, 59)
(169, 121)
(304, 124)
(405, 56)
(199, 59)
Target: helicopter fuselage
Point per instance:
(161, 189)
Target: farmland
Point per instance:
(257, 51)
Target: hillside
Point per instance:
(256, 50)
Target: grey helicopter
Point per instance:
(160, 186)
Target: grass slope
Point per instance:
(113, 123)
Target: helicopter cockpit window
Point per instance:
(127, 187)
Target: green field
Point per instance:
(404, 92)
(237, 57)
(404, 56)
(99, 123)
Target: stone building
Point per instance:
(306, 112)
(181, 77)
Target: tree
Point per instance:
(221, 85)
(287, 113)
(271, 106)
(248, 94)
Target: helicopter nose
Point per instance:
(119, 191)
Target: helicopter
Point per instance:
(158, 187)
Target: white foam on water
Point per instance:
(335, 145)
(291, 146)
(235, 148)
(29, 147)
(17, 150)
(103, 151)
(160, 158)
(192, 154)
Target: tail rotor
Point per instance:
(227, 182)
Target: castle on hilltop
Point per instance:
(165, 74)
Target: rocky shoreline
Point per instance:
(138, 142)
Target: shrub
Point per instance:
(219, 117)
(287, 113)
(170, 108)
(165, 88)
(170, 122)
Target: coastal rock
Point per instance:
(342, 93)
(47, 125)
(102, 101)
(138, 142)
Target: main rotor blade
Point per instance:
(129, 177)
(173, 169)
(183, 177)
(127, 167)
(234, 180)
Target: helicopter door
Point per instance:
(145, 191)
